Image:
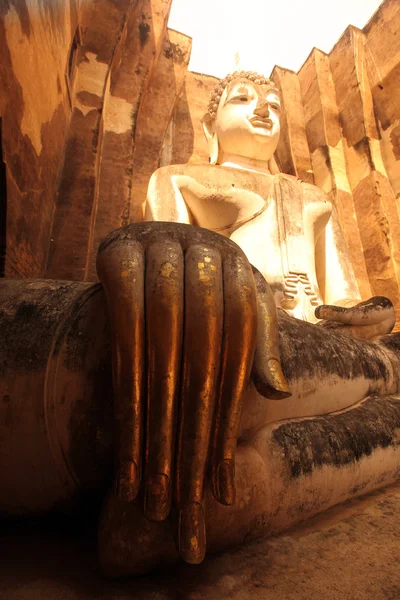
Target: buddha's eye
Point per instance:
(275, 106)
(241, 98)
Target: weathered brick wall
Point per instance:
(131, 69)
(35, 42)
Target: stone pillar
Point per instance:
(186, 141)
(374, 198)
(327, 155)
(293, 153)
(134, 62)
(74, 211)
(383, 66)
(35, 41)
(154, 115)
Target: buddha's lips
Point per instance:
(260, 122)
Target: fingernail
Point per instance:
(127, 481)
(226, 482)
(192, 534)
(156, 497)
(278, 380)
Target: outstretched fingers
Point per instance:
(201, 362)
(120, 266)
(239, 341)
(164, 314)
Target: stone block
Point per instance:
(319, 99)
(134, 59)
(154, 115)
(117, 176)
(353, 93)
(379, 231)
(73, 218)
(292, 153)
(382, 59)
(35, 38)
(361, 159)
(330, 175)
(186, 141)
(98, 167)
(390, 150)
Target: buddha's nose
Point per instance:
(262, 108)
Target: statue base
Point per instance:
(57, 438)
(312, 465)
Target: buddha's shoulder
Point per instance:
(198, 169)
(216, 177)
(191, 170)
(311, 193)
(210, 175)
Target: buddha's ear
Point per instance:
(208, 128)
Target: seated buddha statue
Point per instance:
(252, 387)
(287, 228)
(298, 370)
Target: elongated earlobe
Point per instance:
(212, 140)
(213, 150)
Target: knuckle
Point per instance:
(164, 270)
(203, 270)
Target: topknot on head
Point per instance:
(219, 88)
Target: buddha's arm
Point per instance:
(192, 194)
(345, 311)
(164, 200)
(335, 273)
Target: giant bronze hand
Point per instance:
(183, 309)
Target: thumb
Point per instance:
(268, 376)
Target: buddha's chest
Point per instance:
(227, 201)
(276, 224)
(284, 253)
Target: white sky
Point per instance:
(264, 32)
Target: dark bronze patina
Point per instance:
(183, 310)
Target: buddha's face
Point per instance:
(247, 120)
